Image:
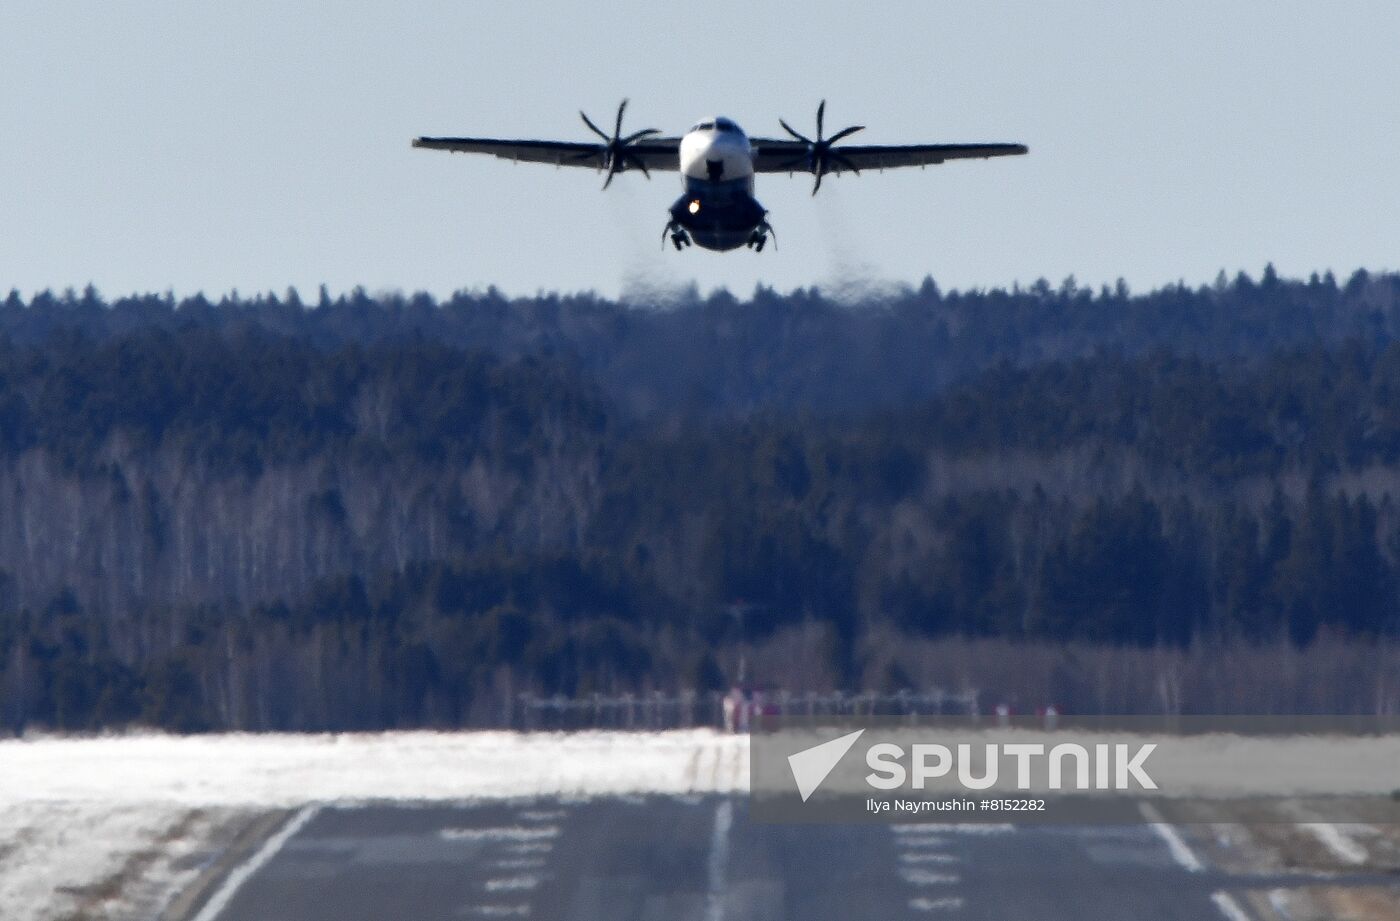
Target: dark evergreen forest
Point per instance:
(380, 510)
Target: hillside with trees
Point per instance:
(375, 511)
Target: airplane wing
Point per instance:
(655, 153)
(785, 156)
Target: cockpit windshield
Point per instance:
(719, 124)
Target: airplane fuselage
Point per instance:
(717, 209)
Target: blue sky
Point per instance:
(258, 145)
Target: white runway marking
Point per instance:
(929, 858)
(719, 861)
(521, 883)
(1281, 901)
(1229, 907)
(915, 843)
(215, 906)
(519, 863)
(916, 877)
(971, 828)
(515, 833)
(530, 847)
(1342, 846)
(502, 911)
(1181, 852)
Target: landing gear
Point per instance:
(759, 237)
(679, 238)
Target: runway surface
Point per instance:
(701, 859)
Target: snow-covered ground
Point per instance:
(114, 828)
(94, 860)
(289, 770)
(284, 771)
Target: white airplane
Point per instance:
(717, 162)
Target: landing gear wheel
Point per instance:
(679, 238)
(759, 238)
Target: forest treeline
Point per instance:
(723, 355)
(388, 511)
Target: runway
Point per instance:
(701, 859)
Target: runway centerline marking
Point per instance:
(719, 861)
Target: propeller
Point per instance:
(616, 156)
(819, 158)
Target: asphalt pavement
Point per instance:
(702, 859)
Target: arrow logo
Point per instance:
(810, 766)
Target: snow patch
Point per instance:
(288, 771)
(97, 861)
